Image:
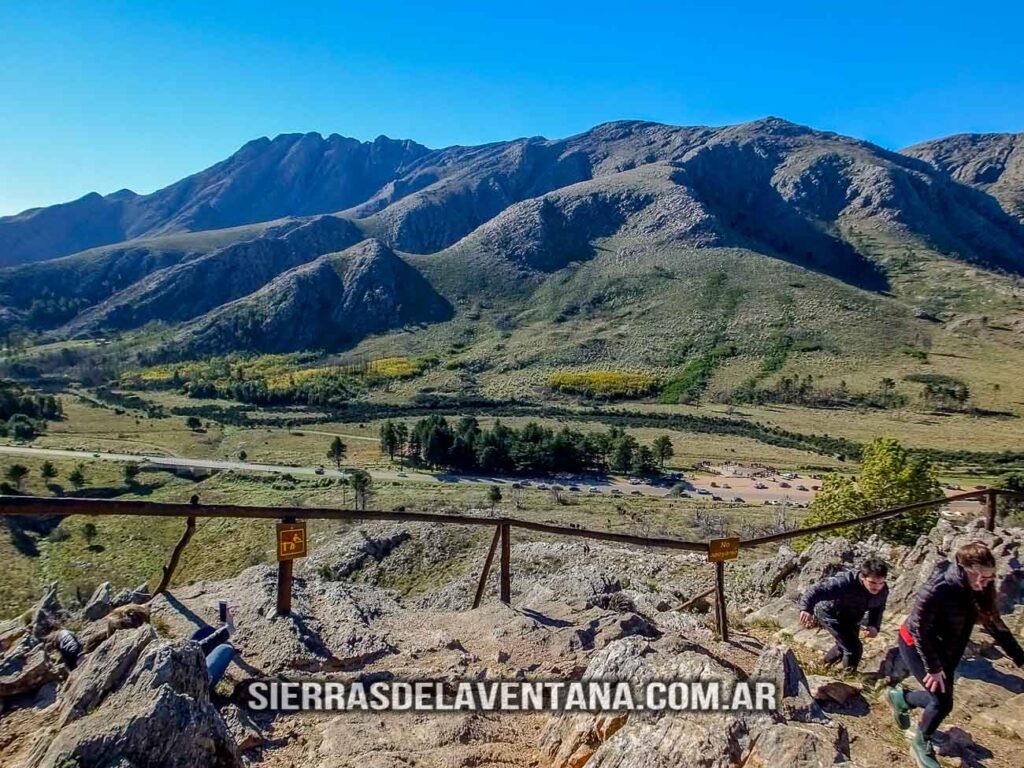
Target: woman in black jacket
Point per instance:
(935, 635)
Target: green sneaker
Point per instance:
(900, 708)
(923, 752)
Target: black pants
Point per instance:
(848, 646)
(935, 705)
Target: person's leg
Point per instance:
(935, 705)
(848, 647)
(204, 631)
(215, 638)
(940, 706)
(851, 646)
(217, 662)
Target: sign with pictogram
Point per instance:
(720, 550)
(291, 540)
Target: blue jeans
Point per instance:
(218, 660)
(218, 653)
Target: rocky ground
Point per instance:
(139, 695)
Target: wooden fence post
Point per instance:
(720, 610)
(505, 588)
(487, 568)
(168, 574)
(284, 582)
(990, 508)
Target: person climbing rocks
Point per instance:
(934, 637)
(839, 605)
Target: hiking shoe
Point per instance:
(922, 751)
(900, 709)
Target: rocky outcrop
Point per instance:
(100, 604)
(992, 162)
(25, 668)
(103, 671)
(659, 738)
(161, 715)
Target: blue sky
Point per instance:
(103, 95)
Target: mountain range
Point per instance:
(303, 241)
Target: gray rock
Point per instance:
(25, 668)
(138, 596)
(47, 614)
(824, 688)
(103, 671)
(799, 746)
(99, 604)
(1007, 717)
(161, 715)
(11, 631)
(779, 665)
(243, 730)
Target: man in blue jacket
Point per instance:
(839, 605)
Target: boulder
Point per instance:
(1008, 717)
(161, 715)
(47, 614)
(243, 730)
(102, 672)
(831, 689)
(138, 596)
(25, 668)
(707, 739)
(99, 604)
(779, 665)
(11, 631)
(799, 746)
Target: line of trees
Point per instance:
(466, 447)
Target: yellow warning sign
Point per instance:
(291, 540)
(720, 550)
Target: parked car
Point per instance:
(635, 493)
(716, 498)
(574, 487)
(815, 487)
(319, 470)
(785, 485)
(703, 491)
(738, 499)
(760, 486)
(402, 474)
(592, 489)
(801, 487)
(714, 484)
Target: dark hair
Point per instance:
(874, 566)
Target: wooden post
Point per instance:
(284, 582)
(487, 568)
(165, 580)
(505, 588)
(723, 617)
(990, 509)
(190, 528)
